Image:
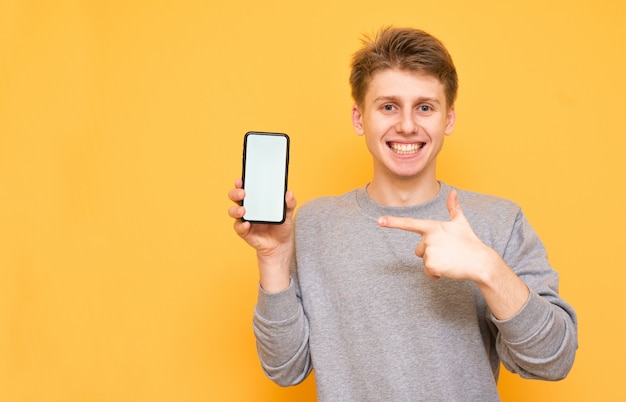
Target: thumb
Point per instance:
(454, 208)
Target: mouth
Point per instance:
(405, 149)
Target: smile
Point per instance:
(405, 149)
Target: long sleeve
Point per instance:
(282, 334)
(360, 307)
(540, 341)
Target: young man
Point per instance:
(426, 312)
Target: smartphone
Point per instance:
(264, 175)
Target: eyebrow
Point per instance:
(391, 98)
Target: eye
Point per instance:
(388, 107)
(424, 108)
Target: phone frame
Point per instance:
(284, 181)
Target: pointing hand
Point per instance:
(449, 249)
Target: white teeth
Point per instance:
(405, 149)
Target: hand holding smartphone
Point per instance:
(264, 175)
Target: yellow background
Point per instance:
(121, 125)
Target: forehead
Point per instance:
(405, 85)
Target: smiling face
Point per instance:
(404, 118)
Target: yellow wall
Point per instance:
(121, 125)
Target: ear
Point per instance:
(450, 119)
(357, 120)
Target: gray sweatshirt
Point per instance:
(362, 314)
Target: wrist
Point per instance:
(274, 285)
(490, 267)
(274, 272)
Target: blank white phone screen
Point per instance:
(264, 177)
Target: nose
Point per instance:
(406, 123)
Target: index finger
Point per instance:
(419, 226)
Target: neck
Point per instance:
(403, 192)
